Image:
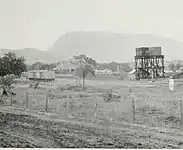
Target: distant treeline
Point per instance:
(112, 66)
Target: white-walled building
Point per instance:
(39, 75)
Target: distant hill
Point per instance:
(109, 46)
(31, 55)
(101, 46)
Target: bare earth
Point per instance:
(30, 129)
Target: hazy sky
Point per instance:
(39, 23)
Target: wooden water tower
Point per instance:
(149, 63)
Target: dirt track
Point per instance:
(20, 129)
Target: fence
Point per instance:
(92, 107)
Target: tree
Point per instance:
(6, 84)
(34, 85)
(171, 66)
(178, 66)
(41, 66)
(10, 64)
(86, 66)
(36, 66)
(83, 59)
(83, 71)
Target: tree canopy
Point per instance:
(178, 66)
(11, 64)
(42, 66)
(83, 59)
(86, 66)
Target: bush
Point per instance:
(149, 110)
(110, 97)
(69, 87)
(34, 85)
(6, 84)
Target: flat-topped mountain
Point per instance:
(101, 46)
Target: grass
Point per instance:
(153, 101)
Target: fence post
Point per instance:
(11, 100)
(46, 109)
(181, 115)
(133, 108)
(27, 100)
(96, 110)
(67, 105)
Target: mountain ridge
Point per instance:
(101, 46)
(112, 46)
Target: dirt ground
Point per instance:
(19, 130)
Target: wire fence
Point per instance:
(151, 112)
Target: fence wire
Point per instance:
(93, 107)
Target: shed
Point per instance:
(65, 67)
(41, 75)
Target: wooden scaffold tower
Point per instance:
(149, 63)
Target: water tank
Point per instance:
(142, 51)
(154, 51)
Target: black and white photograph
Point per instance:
(91, 74)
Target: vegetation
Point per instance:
(6, 84)
(171, 66)
(178, 66)
(86, 66)
(11, 64)
(34, 85)
(114, 66)
(111, 97)
(41, 66)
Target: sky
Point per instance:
(39, 23)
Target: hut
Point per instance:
(65, 68)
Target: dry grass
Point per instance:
(153, 101)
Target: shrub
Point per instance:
(34, 85)
(110, 97)
(6, 84)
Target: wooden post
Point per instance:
(181, 115)
(27, 100)
(46, 108)
(96, 110)
(11, 99)
(133, 108)
(67, 106)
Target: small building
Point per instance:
(42, 75)
(65, 68)
(103, 72)
(132, 75)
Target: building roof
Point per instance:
(40, 71)
(65, 66)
